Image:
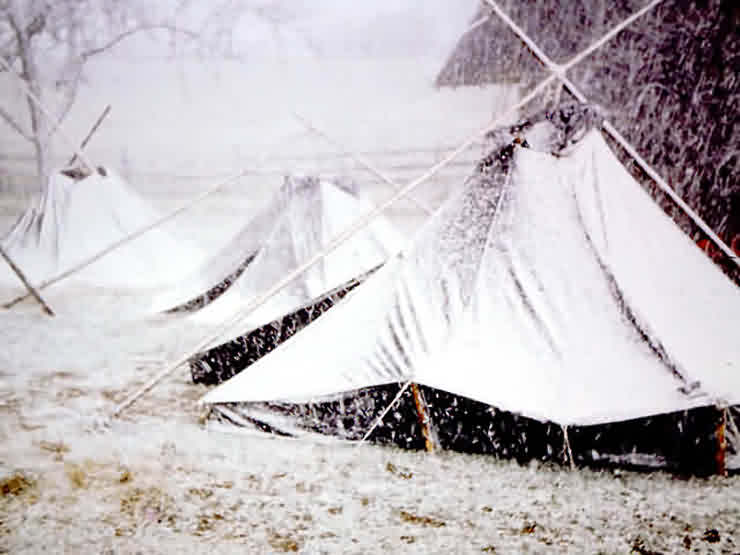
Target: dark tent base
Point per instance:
(224, 361)
(682, 442)
(204, 299)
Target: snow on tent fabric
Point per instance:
(76, 219)
(219, 272)
(551, 287)
(306, 214)
(218, 364)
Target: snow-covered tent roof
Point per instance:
(550, 286)
(302, 218)
(76, 219)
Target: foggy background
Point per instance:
(217, 89)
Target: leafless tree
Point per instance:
(47, 43)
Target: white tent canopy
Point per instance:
(303, 217)
(556, 289)
(76, 219)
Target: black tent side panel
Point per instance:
(224, 361)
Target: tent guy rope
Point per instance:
(359, 159)
(380, 417)
(567, 451)
(365, 220)
(609, 128)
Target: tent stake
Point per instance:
(721, 454)
(35, 294)
(567, 452)
(422, 413)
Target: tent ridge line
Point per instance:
(506, 164)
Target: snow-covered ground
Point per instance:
(158, 480)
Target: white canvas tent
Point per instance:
(305, 214)
(76, 219)
(555, 289)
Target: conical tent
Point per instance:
(77, 219)
(551, 287)
(306, 213)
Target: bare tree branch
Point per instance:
(69, 99)
(118, 38)
(14, 124)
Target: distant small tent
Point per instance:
(667, 83)
(299, 221)
(79, 216)
(551, 290)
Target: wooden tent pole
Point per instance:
(422, 413)
(721, 453)
(31, 289)
(90, 133)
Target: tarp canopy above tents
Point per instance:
(302, 218)
(550, 286)
(76, 219)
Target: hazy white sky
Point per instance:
(340, 28)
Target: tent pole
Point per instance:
(567, 452)
(90, 133)
(22, 277)
(422, 413)
(721, 454)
